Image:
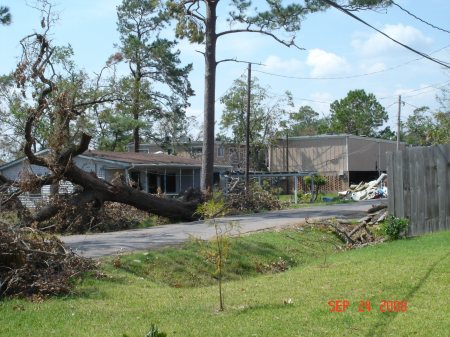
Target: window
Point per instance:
(220, 151)
(171, 183)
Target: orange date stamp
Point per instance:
(366, 306)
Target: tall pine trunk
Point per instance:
(207, 173)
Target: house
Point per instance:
(343, 159)
(149, 172)
(224, 153)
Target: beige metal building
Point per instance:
(342, 159)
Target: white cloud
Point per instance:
(376, 43)
(276, 64)
(373, 67)
(326, 64)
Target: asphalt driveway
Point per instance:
(103, 244)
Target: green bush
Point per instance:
(395, 228)
(318, 182)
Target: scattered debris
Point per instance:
(257, 199)
(110, 217)
(374, 189)
(357, 234)
(288, 301)
(36, 265)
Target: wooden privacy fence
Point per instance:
(419, 187)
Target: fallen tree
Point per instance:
(61, 102)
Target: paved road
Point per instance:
(102, 244)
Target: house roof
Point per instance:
(139, 158)
(126, 159)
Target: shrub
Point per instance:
(395, 228)
(318, 182)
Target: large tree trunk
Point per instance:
(102, 191)
(207, 173)
(96, 190)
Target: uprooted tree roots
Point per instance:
(34, 264)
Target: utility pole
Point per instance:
(247, 127)
(398, 120)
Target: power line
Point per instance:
(410, 105)
(434, 86)
(349, 76)
(345, 11)
(422, 20)
(430, 86)
(277, 95)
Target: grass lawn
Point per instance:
(127, 303)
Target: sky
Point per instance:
(339, 53)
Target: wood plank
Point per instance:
(414, 193)
(406, 185)
(421, 188)
(390, 182)
(398, 185)
(442, 177)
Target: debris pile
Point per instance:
(357, 234)
(110, 217)
(374, 189)
(257, 199)
(36, 265)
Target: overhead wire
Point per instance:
(347, 12)
(406, 93)
(348, 76)
(421, 20)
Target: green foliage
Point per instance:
(387, 134)
(426, 128)
(358, 113)
(306, 122)
(441, 130)
(217, 253)
(394, 228)
(5, 15)
(265, 117)
(304, 197)
(419, 126)
(155, 94)
(319, 181)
